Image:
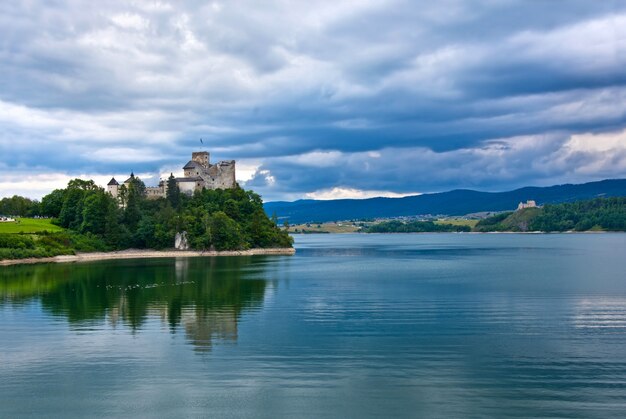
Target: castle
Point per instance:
(199, 174)
(528, 204)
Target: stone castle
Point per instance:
(199, 174)
(528, 204)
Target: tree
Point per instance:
(85, 185)
(166, 224)
(225, 233)
(95, 209)
(136, 194)
(122, 194)
(52, 203)
(113, 233)
(231, 208)
(70, 215)
(144, 235)
(18, 206)
(173, 191)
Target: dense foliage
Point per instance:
(20, 246)
(415, 227)
(597, 214)
(18, 206)
(607, 214)
(213, 219)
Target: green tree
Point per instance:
(85, 185)
(231, 208)
(122, 195)
(52, 203)
(173, 191)
(113, 232)
(136, 196)
(225, 233)
(95, 208)
(19, 206)
(70, 215)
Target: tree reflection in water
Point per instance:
(205, 297)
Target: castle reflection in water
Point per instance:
(202, 297)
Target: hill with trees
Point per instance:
(222, 219)
(600, 214)
(457, 202)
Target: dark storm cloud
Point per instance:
(398, 96)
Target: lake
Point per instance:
(352, 326)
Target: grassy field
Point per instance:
(340, 227)
(457, 222)
(29, 225)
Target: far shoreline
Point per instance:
(148, 254)
(463, 232)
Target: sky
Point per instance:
(315, 99)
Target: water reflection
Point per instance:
(204, 297)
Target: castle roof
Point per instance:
(112, 182)
(131, 178)
(192, 165)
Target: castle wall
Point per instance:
(153, 192)
(226, 177)
(194, 172)
(201, 157)
(113, 189)
(220, 175)
(187, 187)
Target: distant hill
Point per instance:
(456, 202)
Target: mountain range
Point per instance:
(456, 202)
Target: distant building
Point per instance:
(528, 204)
(113, 187)
(199, 174)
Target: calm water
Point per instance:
(440, 325)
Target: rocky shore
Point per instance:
(147, 254)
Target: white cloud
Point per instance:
(130, 21)
(245, 169)
(589, 46)
(352, 193)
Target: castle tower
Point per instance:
(201, 157)
(113, 187)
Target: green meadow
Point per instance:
(29, 225)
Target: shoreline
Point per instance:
(147, 254)
(470, 232)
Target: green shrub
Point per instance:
(16, 241)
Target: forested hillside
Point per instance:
(457, 202)
(602, 214)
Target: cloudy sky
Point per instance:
(315, 99)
